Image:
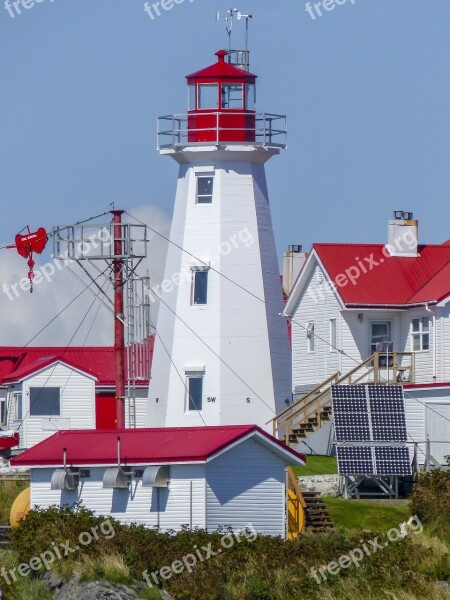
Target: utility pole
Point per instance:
(119, 316)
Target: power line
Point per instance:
(327, 342)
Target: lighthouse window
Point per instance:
(205, 187)
(195, 389)
(250, 95)
(199, 287)
(45, 401)
(233, 95)
(208, 95)
(192, 90)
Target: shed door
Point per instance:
(105, 412)
(438, 428)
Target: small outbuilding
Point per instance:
(196, 476)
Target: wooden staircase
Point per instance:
(305, 416)
(318, 518)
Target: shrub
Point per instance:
(430, 500)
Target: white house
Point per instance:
(351, 300)
(46, 389)
(201, 477)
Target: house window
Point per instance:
(333, 335)
(233, 95)
(45, 401)
(420, 334)
(381, 332)
(195, 391)
(3, 411)
(18, 406)
(208, 95)
(199, 287)
(205, 186)
(311, 336)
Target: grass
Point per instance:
(354, 515)
(9, 490)
(317, 465)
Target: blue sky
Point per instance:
(366, 88)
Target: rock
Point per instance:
(444, 586)
(94, 590)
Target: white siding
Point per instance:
(426, 361)
(139, 504)
(246, 485)
(418, 403)
(318, 304)
(77, 403)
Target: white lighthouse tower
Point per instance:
(222, 353)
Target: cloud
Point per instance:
(23, 314)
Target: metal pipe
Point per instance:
(119, 331)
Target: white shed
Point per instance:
(197, 476)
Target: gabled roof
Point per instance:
(147, 446)
(380, 279)
(18, 362)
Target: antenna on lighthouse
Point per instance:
(237, 58)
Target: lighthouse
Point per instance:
(222, 354)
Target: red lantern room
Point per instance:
(221, 104)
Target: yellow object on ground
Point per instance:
(20, 507)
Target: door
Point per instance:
(438, 429)
(105, 412)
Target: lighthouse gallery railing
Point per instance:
(270, 130)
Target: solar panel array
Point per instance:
(373, 460)
(369, 415)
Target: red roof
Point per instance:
(141, 446)
(221, 70)
(19, 362)
(388, 280)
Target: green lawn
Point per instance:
(317, 465)
(376, 515)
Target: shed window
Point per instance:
(233, 96)
(195, 390)
(208, 95)
(333, 335)
(45, 401)
(420, 334)
(199, 287)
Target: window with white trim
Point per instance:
(199, 293)
(333, 335)
(45, 401)
(381, 333)
(420, 334)
(205, 188)
(17, 406)
(311, 337)
(194, 387)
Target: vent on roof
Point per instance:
(403, 234)
(158, 476)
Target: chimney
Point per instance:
(293, 262)
(403, 233)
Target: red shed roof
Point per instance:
(221, 70)
(17, 362)
(388, 280)
(144, 446)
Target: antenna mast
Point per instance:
(237, 58)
